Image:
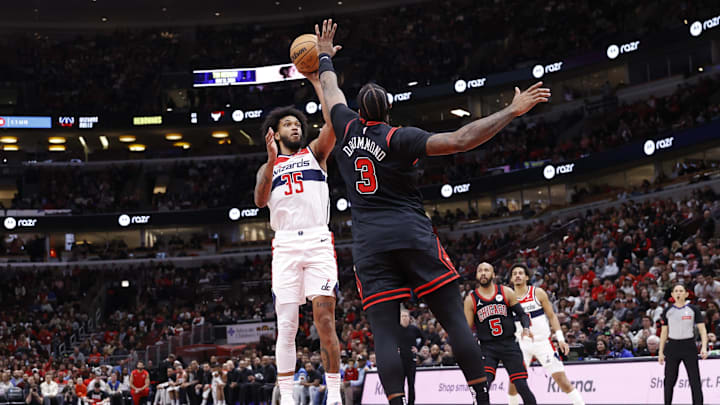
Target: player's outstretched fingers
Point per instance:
(534, 86)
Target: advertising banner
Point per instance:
(638, 382)
(249, 332)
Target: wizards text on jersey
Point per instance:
(280, 168)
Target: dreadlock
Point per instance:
(373, 102)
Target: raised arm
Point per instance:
(480, 131)
(328, 79)
(323, 145)
(263, 185)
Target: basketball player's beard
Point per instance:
(292, 145)
(484, 282)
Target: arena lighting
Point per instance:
(8, 139)
(410, 84)
(10, 148)
(173, 137)
(136, 147)
(125, 284)
(220, 134)
(184, 145)
(56, 148)
(127, 138)
(459, 112)
(82, 142)
(104, 142)
(56, 140)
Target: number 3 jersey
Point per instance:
(300, 198)
(378, 165)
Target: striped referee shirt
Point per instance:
(681, 321)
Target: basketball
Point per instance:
(304, 54)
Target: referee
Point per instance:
(409, 341)
(678, 331)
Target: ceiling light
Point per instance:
(299, 8)
(226, 141)
(173, 137)
(104, 19)
(104, 142)
(217, 14)
(8, 139)
(169, 109)
(220, 134)
(10, 148)
(700, 69)
(56, 148)
(82, 142)
(184, 145)
(410, 84)
(136, 147)
(339, 3)
(459, 112)
(56, 140)
(127, 138)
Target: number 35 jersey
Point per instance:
(300, 198)
(378, 165)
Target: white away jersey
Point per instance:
(539, 325)
(300, 198)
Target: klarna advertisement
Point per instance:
(637, 382)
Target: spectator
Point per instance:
(653, 344)
(601, 350)
(619, 348)
(97, 396)
(50, 390)
(5, 383)
(32, 392)
(353, 389)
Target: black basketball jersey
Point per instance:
(377, 163)
(493, 319)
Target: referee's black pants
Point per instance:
(685, 351)
(409, 368)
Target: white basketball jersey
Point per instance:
(539, 325)
(300, 198)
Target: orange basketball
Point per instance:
(304, 53)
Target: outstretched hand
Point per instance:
(325, 38)
(526, 100)
(271, 146)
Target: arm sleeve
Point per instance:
(663, 318)
(409, 142)
(522, 317)
(698, 314)
(341, 116)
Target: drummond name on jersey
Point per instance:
(366, 144)
(490, 310)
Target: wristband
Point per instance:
(559, 336)
(326, 64)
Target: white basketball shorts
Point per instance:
(303, 265)
(543, 351)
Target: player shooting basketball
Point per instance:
(293, 184)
